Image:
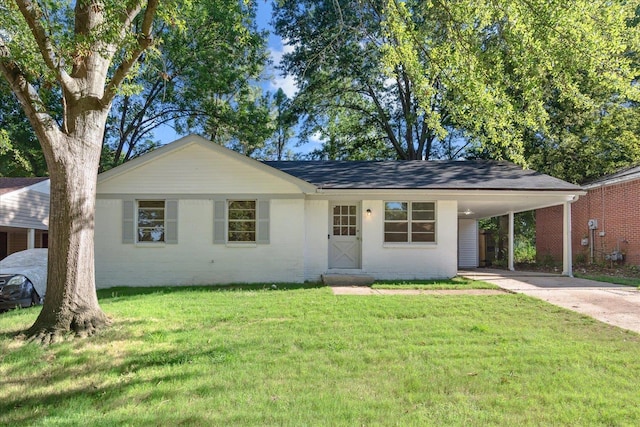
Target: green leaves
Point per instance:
(198, 79)
(495, 67)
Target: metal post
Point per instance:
(567, 262)
(31, 238)
(511, 241)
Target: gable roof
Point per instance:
(431, 175)
(191, 140)
(625, 174)
(8, 185)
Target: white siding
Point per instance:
(316, 250)
(467, 243)
(195, 169)
(25, 209)
(195, 259)
(409, 261)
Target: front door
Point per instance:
(344, 235)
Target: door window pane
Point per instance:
(345, 220)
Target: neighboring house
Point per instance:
(193, 212)
(606, 222)
(24, 214)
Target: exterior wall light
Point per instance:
(368, 212)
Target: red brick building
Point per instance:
(605, 223)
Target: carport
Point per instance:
(480, 204)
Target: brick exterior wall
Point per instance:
(549, 234)
(616, 207)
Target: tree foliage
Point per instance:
(509, 71)
(437, 78)
(198, 80)
(347, 94)
(20, 152)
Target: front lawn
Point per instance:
(298, 357)
(629, 281)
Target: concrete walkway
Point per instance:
(617, 305)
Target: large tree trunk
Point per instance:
(71, 303)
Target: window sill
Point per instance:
(410, 245)
(242, 245)
(150, 245)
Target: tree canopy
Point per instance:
(425, 78)
(198, 80)
(509, 70)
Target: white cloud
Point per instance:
(316, 139)
(286, 83)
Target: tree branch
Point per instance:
(31, 13)
(145, 39)
(387, 127)
(28, 97)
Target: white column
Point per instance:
(567, 262)
(511, 241)
(31, 238)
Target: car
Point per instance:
(23, 279)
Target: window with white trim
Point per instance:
(409, 222)
(242, 221)
(151, 221)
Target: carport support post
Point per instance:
(511, 241)
(567, 267)
(31, 238)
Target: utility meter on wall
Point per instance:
(593, 224)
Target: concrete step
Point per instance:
(337, 279)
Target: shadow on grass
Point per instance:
(124, 291)
(11, 334)
(101, 381)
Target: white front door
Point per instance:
(344, 235)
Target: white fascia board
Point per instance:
(447, 194)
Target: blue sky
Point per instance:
(276, 47)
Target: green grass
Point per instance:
(296, 357)
(629, 281)
(454, 283)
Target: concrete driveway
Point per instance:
(617, 305)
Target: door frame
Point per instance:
(357, 238)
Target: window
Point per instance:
(413, 222)
(151, 224)
(242, 221)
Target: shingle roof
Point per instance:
(632, 172)
(7, 185)
(449, 175)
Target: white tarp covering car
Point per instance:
(30, 264)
